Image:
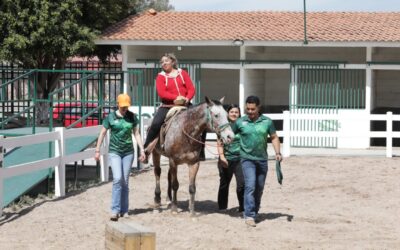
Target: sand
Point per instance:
(324, 203)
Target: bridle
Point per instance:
(210, 121)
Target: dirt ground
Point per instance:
(324, 203)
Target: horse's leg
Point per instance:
(169, 185)
(157, 173)
(173, 171)
(192, 185)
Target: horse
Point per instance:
(182, 144)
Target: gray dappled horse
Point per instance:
(182, 144)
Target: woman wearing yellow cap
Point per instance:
(122, 123)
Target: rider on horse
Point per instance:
(174, 87)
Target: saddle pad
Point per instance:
(174, 110)
(167, 122)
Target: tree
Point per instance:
(158, 5)
(45, 33)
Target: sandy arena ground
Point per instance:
(324, 203)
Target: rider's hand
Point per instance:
(180, 100)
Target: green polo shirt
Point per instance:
(253, 136)
(121, 129)
(232, 150)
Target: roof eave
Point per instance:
(249, 43)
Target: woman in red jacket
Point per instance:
(174, 87)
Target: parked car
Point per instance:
(68, 113)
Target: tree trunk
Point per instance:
(48, 83)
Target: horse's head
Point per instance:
(218, 120)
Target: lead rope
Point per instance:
(205, 144)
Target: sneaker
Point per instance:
(124, 215)
(250, 222)
(223, 210)
(114, 217)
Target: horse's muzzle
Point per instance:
(228, 139)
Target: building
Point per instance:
(324, 62)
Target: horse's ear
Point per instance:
(209, 102)
(222, 100)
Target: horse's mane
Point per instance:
(216, 102)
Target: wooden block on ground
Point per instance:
(126, 234)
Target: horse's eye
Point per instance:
(216, 116)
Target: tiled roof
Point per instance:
(258, 26)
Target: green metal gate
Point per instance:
(323, 89)
(314, 89)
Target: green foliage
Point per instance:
(40, 34)
(45, 33)
(158, 5)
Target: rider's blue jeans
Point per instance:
(254, 173)
(120, 166)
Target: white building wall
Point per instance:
(255, 84)
(276, 90)
(350, 55)
(216, 83)
(386, 54)
(387, 88)
(185, 53)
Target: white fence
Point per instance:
(60, 135)
(389, 134)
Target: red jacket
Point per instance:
(169, 87)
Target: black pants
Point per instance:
(156, 125)
(225, 177)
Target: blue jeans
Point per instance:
(120, 166)
(255, 173)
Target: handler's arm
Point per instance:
(102, 134)
(140, 143)
(277, 146)
(220, 149)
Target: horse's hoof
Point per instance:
(194, 219)
(174, 212)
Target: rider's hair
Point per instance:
(173, 59)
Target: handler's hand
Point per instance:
(142, 156)
(278, 157)
(224, 162)
(97, 156)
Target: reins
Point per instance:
(218, 130)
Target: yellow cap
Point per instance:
(124, 100)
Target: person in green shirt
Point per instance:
(254, 129)
(122, 123)
(229, 165)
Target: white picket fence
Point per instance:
(60, 135)
(389, 134)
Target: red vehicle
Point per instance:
(69, 113)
